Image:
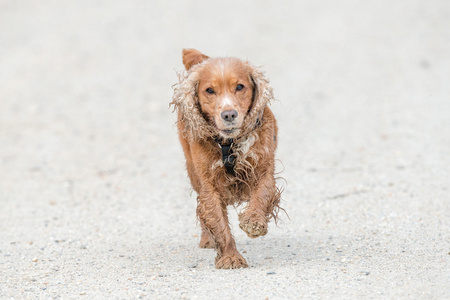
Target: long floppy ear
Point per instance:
(262, 96)
(185, 101)
(192, 57)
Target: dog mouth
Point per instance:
(229, 132)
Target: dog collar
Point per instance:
(226, 145)
(228, 158)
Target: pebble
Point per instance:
(35, 259)
(162, 274)
(270, 273)
(193, 265)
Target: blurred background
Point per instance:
(89, 152)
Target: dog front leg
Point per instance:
(212, 213)
(264, 199)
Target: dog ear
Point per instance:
(192, 57)
(262, 96)
(185, 101)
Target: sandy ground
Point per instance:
(94, 197)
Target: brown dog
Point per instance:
(229, 137)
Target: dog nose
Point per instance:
(229, 115)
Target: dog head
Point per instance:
(220, 96)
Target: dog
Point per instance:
(229, 136)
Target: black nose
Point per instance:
(229, 115)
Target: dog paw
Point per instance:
(231, 261)
(253, 225)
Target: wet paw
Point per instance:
(231, 261)
(253, 225)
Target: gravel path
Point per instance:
(94, 197)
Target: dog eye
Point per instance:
(210, 91)
(239, 87)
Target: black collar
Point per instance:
(226, 145)
(228, 158)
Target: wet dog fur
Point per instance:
(224, 101)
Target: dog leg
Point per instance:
(253, 220)
(214, 213)
(206, 239)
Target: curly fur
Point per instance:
(186, 103)
(252, 181)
